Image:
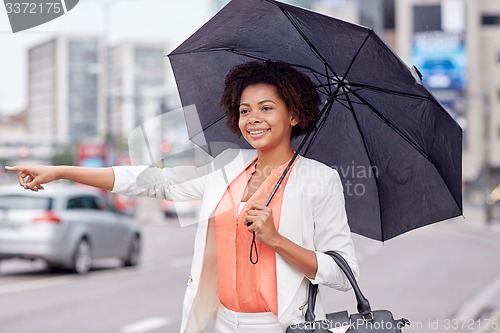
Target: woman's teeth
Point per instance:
(257, 132)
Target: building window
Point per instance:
(389, 14)
(490, 20)
(426, 18)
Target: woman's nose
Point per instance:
(253, 117)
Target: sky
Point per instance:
(170, 21)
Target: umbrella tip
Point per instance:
(416, 74)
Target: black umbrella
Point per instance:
(398, 152)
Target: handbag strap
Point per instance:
(363, 303)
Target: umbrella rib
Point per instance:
(389, 91)
(350, 101)
(333, 98)
(344, 93)
(318, 54)
(390, 124)
(327, 91)
(340, 82)
(308, 42)
(351, 108)
(326, 111)
(356, 56)
(329, 85)
(215, 49)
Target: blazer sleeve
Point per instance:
(332, 233)
(180, 183)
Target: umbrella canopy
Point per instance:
(398, 152)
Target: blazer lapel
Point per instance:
(288, 277)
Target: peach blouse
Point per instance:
(243, 286)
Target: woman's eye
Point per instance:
(267, 108)
(243, 111)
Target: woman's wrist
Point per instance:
(58, 172)
(276, 242)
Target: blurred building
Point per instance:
(137, 85)
(12, 136)
(12, 127)
(66, 99)
(75, 97)
(347, 10)
(17, 147)
(477, 106)
(375, 14)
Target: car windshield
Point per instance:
(22, 202)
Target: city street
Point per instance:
(431, 276)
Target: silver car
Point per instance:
(67, 225)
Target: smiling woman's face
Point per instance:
(264, 119)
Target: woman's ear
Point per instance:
(293, 121)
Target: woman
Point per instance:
(269, 103)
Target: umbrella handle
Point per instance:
(252, 247)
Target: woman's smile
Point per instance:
(256, 134)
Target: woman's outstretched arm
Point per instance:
(33, 177)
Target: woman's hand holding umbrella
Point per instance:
(260, 220)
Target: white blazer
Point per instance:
(313, 216)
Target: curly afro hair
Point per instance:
(294, 88)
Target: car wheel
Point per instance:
(134, 252)
(82, 258)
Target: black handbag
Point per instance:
(366, 321)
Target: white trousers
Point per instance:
(236, 322)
